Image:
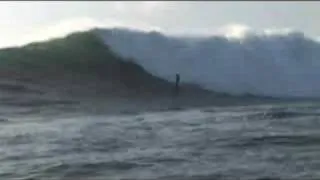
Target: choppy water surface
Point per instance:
(252, 142)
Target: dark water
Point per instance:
(252, 142)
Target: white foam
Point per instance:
(272, 64)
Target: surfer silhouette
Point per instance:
(177, 88)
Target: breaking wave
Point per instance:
(278, 65)
(267, 65)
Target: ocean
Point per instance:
(100, 107)
(236, 142)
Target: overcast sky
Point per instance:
(26, 21)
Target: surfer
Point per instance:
(177, 88)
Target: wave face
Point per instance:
(285, 65)
(77, 63)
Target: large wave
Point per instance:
(278, 65)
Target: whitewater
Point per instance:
(265, 64)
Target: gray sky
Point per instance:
(27, 21)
